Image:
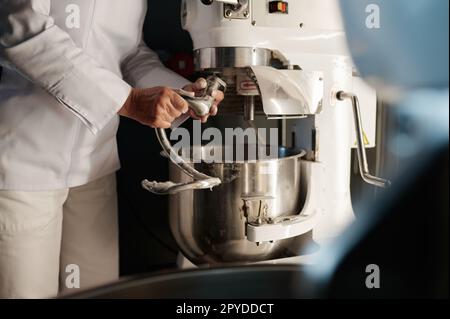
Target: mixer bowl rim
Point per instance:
(293, 153)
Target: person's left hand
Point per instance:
(198, 88)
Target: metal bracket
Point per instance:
(282, 228)
(237, 11)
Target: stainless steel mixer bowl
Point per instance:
(210, 225)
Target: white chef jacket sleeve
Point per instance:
(143, 69)
(47, 56)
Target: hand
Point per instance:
(198, 88)
(156, 107)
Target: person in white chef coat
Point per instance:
(69, 69)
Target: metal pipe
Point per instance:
(249, 108)
(362, 156)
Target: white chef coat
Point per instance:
(68, 67)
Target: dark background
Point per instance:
(146, 243)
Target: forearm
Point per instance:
(143, 69)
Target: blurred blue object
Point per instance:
(400, 47)
(408, 49)
(420, 143)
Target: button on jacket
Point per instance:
(68, 67)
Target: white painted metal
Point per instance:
(289, 92)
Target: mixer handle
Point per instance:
(362, 156)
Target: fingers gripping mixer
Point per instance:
(201, 105)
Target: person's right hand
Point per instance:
(156, 107)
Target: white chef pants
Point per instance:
(46, 237)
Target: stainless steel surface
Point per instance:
(249, 108)
(210, 225)
(217, 58)
(361, 151)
